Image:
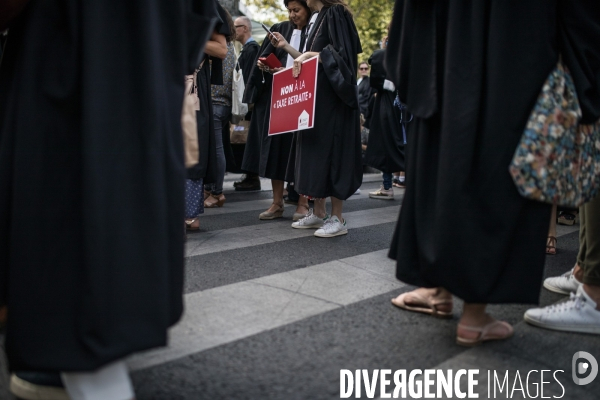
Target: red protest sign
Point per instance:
(293, 99)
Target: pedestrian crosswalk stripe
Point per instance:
(228, 313)
(263, 233)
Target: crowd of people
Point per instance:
(443, 108)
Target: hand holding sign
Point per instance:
(293, 98)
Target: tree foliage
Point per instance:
(370, 16)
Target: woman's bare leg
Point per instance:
(336, 207)
(277, 195)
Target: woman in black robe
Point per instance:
(267, 155)
(328, 159)
(385, 149)
(471, 72)
(95, 166)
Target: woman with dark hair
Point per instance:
(328, 159)
(221, 105)
(267, 155)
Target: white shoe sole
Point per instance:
(28, 391)
(556, 289)
(328, 235)
(562, 327)
(307, 227)
(380, 197)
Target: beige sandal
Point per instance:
(551, 245)
(422, 304)
(272, 215)
(486, 333)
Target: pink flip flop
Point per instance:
(486, 333)
(422, 304)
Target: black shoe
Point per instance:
(38, 385)
(292, 196)
(249, 183)
(235, 184)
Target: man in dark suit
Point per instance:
(247, 59)
(364, 88)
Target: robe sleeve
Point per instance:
(378, 74)
(412, 52)
(200, 20)
(339, 58)
(254, 86)
(579, 45)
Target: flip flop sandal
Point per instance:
(426, 306)
(551, 245)
(486, 333)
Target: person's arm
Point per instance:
(216, 46)
(279, 42)
(300, 59)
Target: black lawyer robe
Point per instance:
(90, 155)
(365, 93)
(385, 149)
(248, 58)
(471, 84)
(328, 159)
(247, 61)
(266, 155)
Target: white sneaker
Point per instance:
(357, 191)
(311, 221)
(382, 194)
(578, 314)
(332, 227)
(564, 284)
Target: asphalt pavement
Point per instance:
(275, 313)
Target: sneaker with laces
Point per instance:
(331, 228)
(564, 284)
(311, 221)
(578, 314)
(382, 194)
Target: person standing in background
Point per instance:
(207, 170)
(221, 101)
(365, 93)
(269, 155)
(387, 135)
(247, 60)
(328, 161)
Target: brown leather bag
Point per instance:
(189, 123)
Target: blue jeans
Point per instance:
(221, 116)
(387, 181)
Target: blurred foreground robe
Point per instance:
(471, 72)
(92, 177)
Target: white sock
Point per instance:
(110, 382)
